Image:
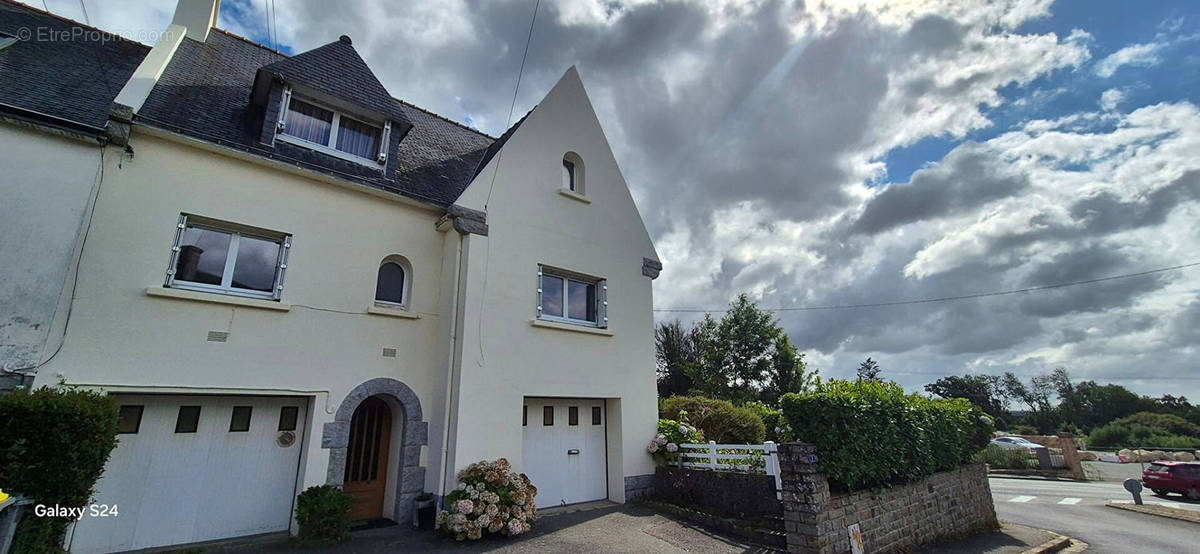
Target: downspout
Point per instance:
(450, 370)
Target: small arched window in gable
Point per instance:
(572, 173)
(394, 282)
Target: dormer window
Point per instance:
(327, 130)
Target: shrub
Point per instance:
(1133, 435)
(1005, 458)
(871, 434)
(53, 447)
(323, 513)
(776, 426)
(719, 420)
(489, 499)
(1166, 423)
(664, 447)
(1023, 430)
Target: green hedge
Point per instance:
(323, 513)
(53, 447)
(872, 434)
(719, 420)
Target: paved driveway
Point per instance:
(610, 529)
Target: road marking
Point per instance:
(1175, 505)
(1070, 501)
(1021, 498)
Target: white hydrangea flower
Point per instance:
(652, 447)
(672, 447)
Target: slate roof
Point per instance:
(205, 93)
(61, 72)
(338, 70)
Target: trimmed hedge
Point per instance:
(323, 513)
(872, 434)
(719, 420)
(53, 447)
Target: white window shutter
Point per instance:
(283, 109)
(539, 291)
(175, 249)
(281, 266)
(602, 303)
(384, 139)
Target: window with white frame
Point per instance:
(333, 132)
(572, 172)
(225, 258)
(572, 298)
(393, 282)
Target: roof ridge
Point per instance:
(231, 34)
(71, 21)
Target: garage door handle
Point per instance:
(573, 451)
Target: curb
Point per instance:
(1037, 477)
(1060, 543)
(1160, 511)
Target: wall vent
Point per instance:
(389, 352)
(218, 336)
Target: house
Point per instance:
(290, 278)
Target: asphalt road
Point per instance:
(1078, 510)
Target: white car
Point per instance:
(1014, 442)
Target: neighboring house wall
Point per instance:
(503, 356)
(325, 345)
(42, 217)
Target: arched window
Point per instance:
(392, 284)
(572, 173)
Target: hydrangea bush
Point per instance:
(490, 498)
(664, 447)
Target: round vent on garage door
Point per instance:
(285, 438)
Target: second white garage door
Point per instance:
(564, 449)
(197, 468)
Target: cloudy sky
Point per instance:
(831, 153)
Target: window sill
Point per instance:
(392, 312)
(179, 294)
(328, 151)
(575, 196)
(570, 327)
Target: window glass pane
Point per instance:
(287, 418)
(240, 422)
(188, 419)
(524, 416)
(308, 122)
(254, 268)
(552, 295)
(202, 255)
(568, 175)
(573, 415)
(358, 138)
(581, 301)
(130, 419)
(595, 415)
(389, 287)
(547, 415)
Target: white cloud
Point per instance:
(1143, 55)
(1111, 98)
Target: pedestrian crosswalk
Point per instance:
(1076, 501)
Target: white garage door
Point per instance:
(196, 468)
(563, 449)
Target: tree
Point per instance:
(869, 371)
(676, 353)
(985, 391)
(789, 373)
(742, 349)
(1037, 395)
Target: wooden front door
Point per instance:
(366, 458)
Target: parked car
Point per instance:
(1011, 442)
(1181, 477)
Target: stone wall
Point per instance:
(946, 505)
(637, 486)
(724, 493)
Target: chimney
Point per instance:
(197, 16)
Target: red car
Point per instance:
(1180, 477)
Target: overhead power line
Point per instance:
(948, 298)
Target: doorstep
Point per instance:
(572, 508)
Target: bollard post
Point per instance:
(1135, 488)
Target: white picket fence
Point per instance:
(709, 456)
